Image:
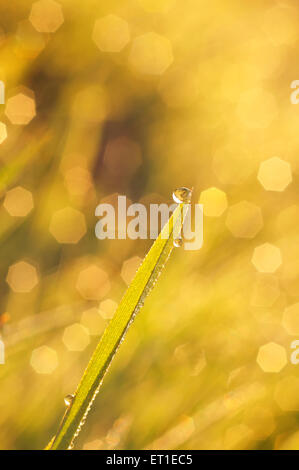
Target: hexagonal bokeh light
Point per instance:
(214, 202)
(275, 174)
(151, 54)
(76, 337)
(93, 283)
(68, 225)
(111, 33)
(266, 258)
(22, 277)
(290, 319)
(18, 202)
(20, 109)
(93, 321)
(129, 268)
(107, 308)
(78, 180)
(46, 16)
(272, 357)
(44, 360)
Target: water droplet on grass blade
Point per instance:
(68, 400)
(182, 195)
(177, 242)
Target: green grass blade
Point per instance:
(132, 301)
(12, 170)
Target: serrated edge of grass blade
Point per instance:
(132, 301)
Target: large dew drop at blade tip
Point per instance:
(182, 195)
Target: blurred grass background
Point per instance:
(138, 97)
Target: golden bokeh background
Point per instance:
(138, 97)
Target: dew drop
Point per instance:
(177, 242)
(182, 195)
(68, 400)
